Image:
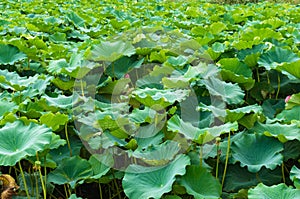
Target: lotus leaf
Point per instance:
(200, 183)
(228, 92)
(251, 151)
(280, 191)
(10, 54)
(240, 178)
(295, 176)
(71, 171)
(277, 56)
(19, 141)
(153, 182)
(111, 51)
(291, 132)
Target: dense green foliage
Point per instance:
(150, 99)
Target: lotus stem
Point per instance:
(24, 180)
(282, 171)
(226, 160)
(66, 192)
(278, 87)
(81, 86)
(218, 139)
(116, 185)
(67, 138)
(201, 155)
(100, 190)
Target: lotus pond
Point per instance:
(150, 99)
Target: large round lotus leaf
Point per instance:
(10, 54)
(152, 182)
(71, 171)
(256, 151)
(280, 191)
(277, 56)
(18, 141)
(200, 183)
(110, 51)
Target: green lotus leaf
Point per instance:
(9, 54)
(217, 27)
(277, 56)
(12, 80)
(75, 19)
(54, 121)
(177, 62)
(295, 176)
(231, 115)
(61, 101)
(71, 171)
(240, 178)
(293, 101)
(7, 107)
(175, 124)
(58, 37)
(175, 82)
(101, 164)
(110, 51)
(141, 116)
(19, 141)
(251, 151)
(123, 66)
(76, 68)
(291, 131)
(200, 183)
(275, 22)
(152, 96)
(63, 84)
(258, 35)
(228, 92)
(235, 66)
(63, 152)
(290, 114)
(271, 107)
(159, 154)
(218, 47)
(153, 182)
(280, 191)
(159, 56)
